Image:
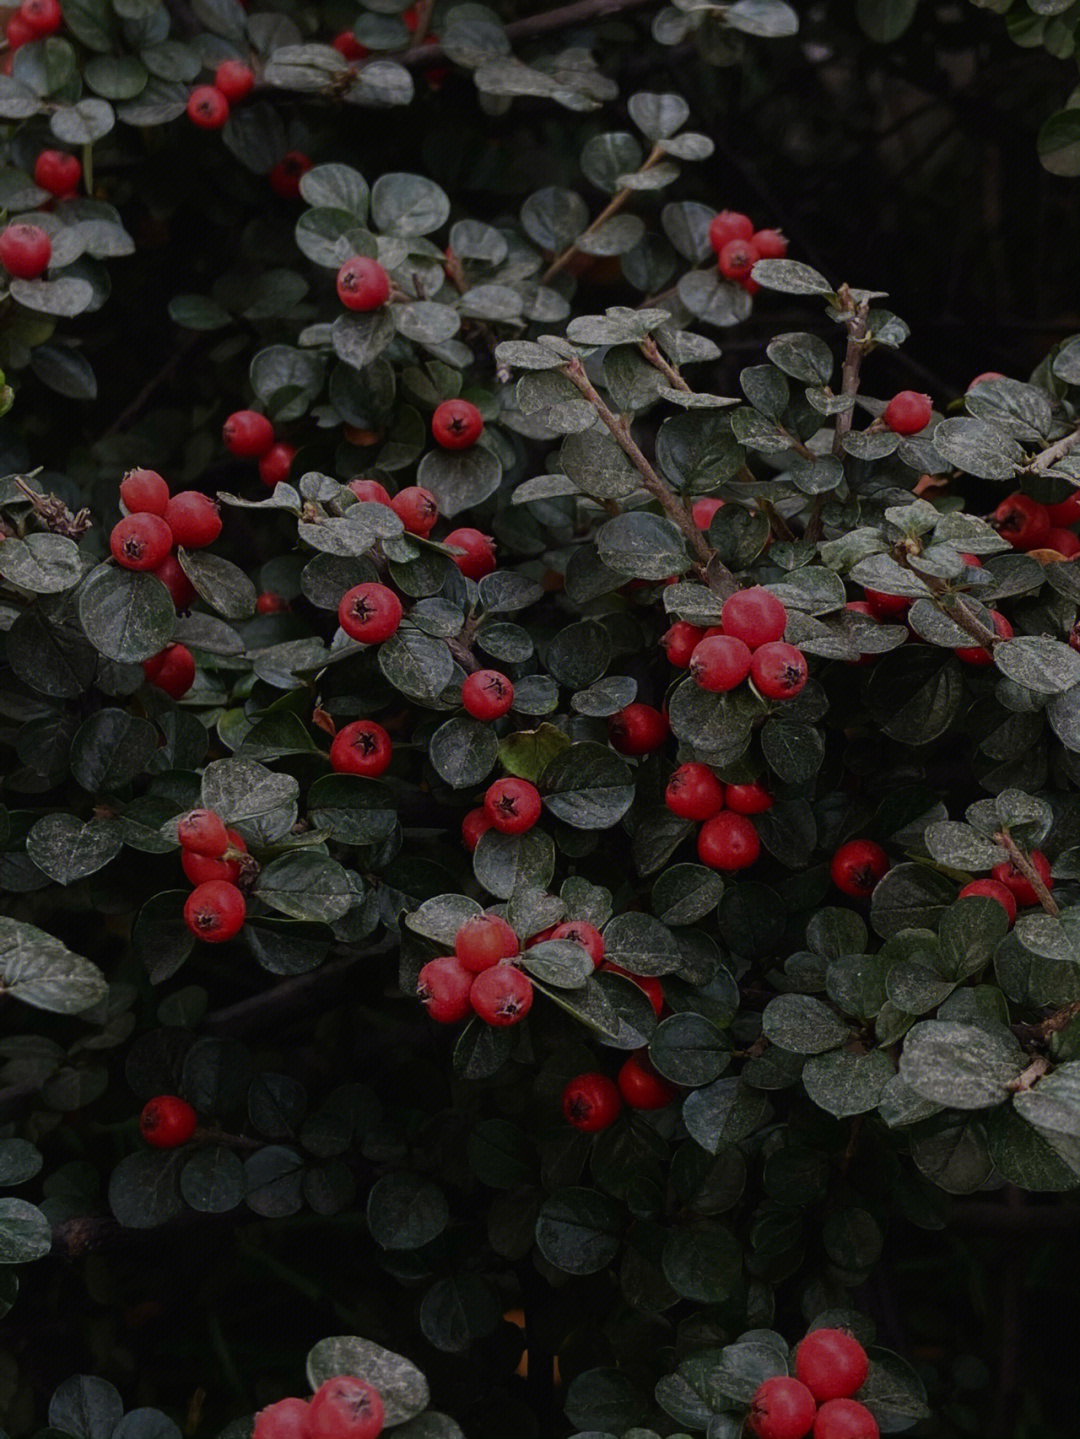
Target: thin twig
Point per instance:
(1024, 866)
(1050, 456)
(613, 206)
(651, 351)
(853, 358)
(669, 501)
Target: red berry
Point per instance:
(234, 79)
(442, 987)
(415, 507)
(487, 694)
(269, 603)
(18, 33)
(369, 612)
(25, 251)
(886, 607)
(247, 434)
(754, 616)
(845, 1419)
(857, 866)
(694, 792)
(750, 285)
(43, 16)
(770, 244)
(348, 45)
(781, 1409)
(647, 983)
(370, 491)
(479, 557)
(140, 542)
(456, 424)
(203, 832)
(727, 226)
(702, 510)
(411, 19)
(475, 824)
(1021, 888)
(363, 284)
(172, 670)
(992, 889)
(748, 798)
(591, 1102)
(779, 671)
(831, 1363)
(483, 941)
(908, 412)
(501, 995)
(728, 842)
(679, 643)
(144, 492)
(976, 654)
(215, 911)
(57, 172)
(287, 1419)
(207, 107)
(1065, 512)
(193, 518)
(720, 663)
(737, 259)
(286, 175)
(540, 937)
(512, 805)
(641, 1087)
(200, 870)
(580, 931)
(638, 729)
(981, 379)
(345, 1408)
(275, 465)
(972, 561)
(1064, 541)
(362, 747)
(1023, 522)
(167, 1122)
(181, 591)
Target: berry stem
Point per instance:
(1052, 1024)
(855, 320)
(1030, 1076)
(53, 513)
(669, 502)
(613, 206)
(1021, 862)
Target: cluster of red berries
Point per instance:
(511, 806)
(250, 436)
(213, 859)
(748, 643)
(831, 1365)
(885, 608)
(472, 551)
(739, 247)
(167, 1121)
(208, 105)
(345, 1407)
(154, 524)
(727, 839)
(1029, 525)
(33, 20)
(25, 250)
(1009, 887)
(480, 977)
(592, 1102)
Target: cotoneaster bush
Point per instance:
(495, 829)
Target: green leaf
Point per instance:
(66, 849)
(843, 1083)
(803, 1024)
(406, 1211)
(460, 479)
(25, 1233)
(502, 862)
(306, 886)
(588, 786)
(127, 614)
(42, 972)
(960, 1065)
(686, 893)
(44, 564)
(463, 751)
(577, 1230)
(689, 1050)
(406, 205)
(640, 943)
(643, 546)
(724, 1113)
